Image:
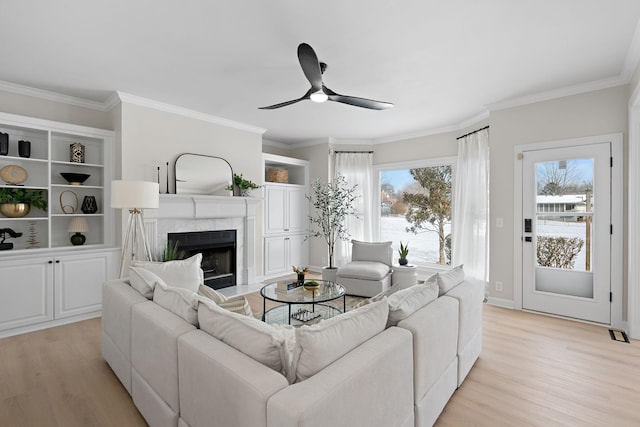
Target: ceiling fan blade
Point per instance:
(310, 66)
(284, 104)
(358, 102)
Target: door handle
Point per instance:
(528, 239)
(527, 225)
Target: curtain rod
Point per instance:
(471, 133)
(369, 152)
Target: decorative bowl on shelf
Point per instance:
(75, 178)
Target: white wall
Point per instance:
(593, 113)
(152, 137)
(51, 110)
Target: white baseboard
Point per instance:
(500, 302)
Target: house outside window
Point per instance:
(415, 206)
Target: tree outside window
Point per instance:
(415, 206)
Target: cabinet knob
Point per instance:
(286, 229)
(50, 262)
(57, 261)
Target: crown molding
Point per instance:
(51, 96)
(328, 140)
(437, 131)
(161, 106)
(558, 93)
(275, 144)
(632, 60)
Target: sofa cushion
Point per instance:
(180, 302)
(447, 280)
(405, 302)
(143, 281)
(371, 251)
(319, 345)
(258, 340)
(185, 273)
(370, 270)
(237, 304)
(386, 293)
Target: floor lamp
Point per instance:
(135, 196)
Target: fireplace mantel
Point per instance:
(179, 213)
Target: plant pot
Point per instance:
(17, 210)
(329, 274)
(403, 261)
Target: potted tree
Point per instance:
(332, 203)
(17, 202)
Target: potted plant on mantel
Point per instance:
(241, 186)
(333, 203)
(17, 202)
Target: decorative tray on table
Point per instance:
(304, 315)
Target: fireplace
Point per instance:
(218, 249)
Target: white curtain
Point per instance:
(357, 169)
(471, 216)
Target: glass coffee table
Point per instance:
(301, 305)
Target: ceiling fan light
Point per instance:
(319, 96)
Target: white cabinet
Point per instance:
(285, 216)
(45, 280)
(44, 291)
(285, 208)
(26, 292)
(78, 282)
(282, 252)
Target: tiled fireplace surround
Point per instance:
(184, 213)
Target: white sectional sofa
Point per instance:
(181, 375)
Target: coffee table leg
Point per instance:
(289, 313)
(264, 308)
(344, 303)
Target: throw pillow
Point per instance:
(405, 302)
(143, 281)
(185, 273)
(447, 280)
(237, 304)
(180, 302)
(387, 292)
(319, 345)
(258, 340)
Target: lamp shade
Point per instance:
(78, 225)
(134, 194)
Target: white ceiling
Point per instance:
(443, 63)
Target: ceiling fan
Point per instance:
(313, 70)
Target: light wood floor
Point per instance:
(533, 371)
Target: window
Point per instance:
(415, 206)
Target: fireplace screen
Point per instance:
(218, 249)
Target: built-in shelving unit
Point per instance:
(50, 155)
(46, 280)
(285, 215)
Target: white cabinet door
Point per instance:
(297, 214)
(282, 252)
(276, 256)
(78, 282)
(26, 292)
(275, 215)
